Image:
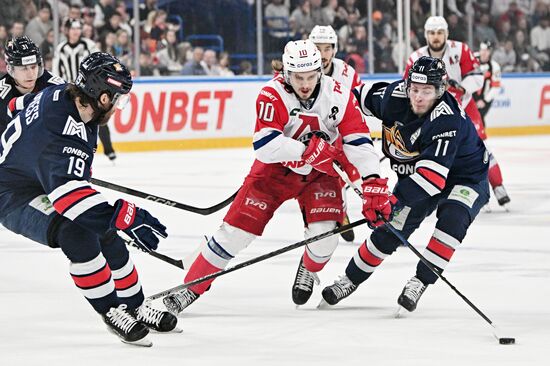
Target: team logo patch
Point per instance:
(441, 109)
(75, 128)
(464, 194)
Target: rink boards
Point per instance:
(198, 113)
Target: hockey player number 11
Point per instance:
(438, 148)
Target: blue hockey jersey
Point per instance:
(428, 153)
(47, 149)
(8, 91)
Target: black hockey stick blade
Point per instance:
(261, 258)
(165, 201)
(175, 262)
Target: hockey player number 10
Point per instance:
(266, 112)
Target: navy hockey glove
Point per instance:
(320, 154)
(137, 223)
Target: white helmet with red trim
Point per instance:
(435, 23)
(301, 56)
(324, 34)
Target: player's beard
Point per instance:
(101, 116)
(438, 49)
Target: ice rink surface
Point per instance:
(248, 317)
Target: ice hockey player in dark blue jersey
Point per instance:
(25, 74)
(441, 164)
(46, 154)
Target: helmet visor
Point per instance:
(120, 101)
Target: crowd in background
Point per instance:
(518, 30)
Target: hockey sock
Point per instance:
(364, 262)
(495, 176)
(200, 268)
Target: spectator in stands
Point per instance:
(540, 40)
(210, 63)
(159, 26)
(29, 9)
(145, 9)
(112, 24)
(74, 12)
(418, 18)
(278, 31)
(224, 65)
(124, 17)
(146, 65)
(353, 58)
(504, 29)
(123, 47)
(245, 68)
(499, 7)
(512, 14)
(520, 45)
(541, 9)
(88, 16)
(88, 31)
(383, 60)
(456, 28)
(38, 27)
(331, 10)
(506, 56)
(340, 17)
(103, 10)
(528, 64)
(347, 30)
(46, 47)
(107, 41)
(17, 29)
(193, 66)
(483, 31)
(380, 27)
(318, 14)
(3, 36)
(168, 55)
(301, 18)
(360, 39)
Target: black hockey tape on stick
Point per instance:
(436, 271)
(165, 201)
(130, 242)
(261, 258)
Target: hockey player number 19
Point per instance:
(76, 166)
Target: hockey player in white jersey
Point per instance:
(326, 40)
(300, 114)
(464, 79)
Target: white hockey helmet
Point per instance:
(300, 56)
(324, 34)
(434, 23)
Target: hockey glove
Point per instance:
(138, 224)
(456, 85)
(320, 155)
(376, 201)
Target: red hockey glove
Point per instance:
(320, 155)
(376, 201)
(139, 224)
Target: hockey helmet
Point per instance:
(301, 56)
(101, 73)
(435, 23)
(324, 34)
(22, 51)
(486, 45)
(428, 70)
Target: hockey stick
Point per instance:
(164, 201)
(261, 258)
(130, 242)
(436, 271)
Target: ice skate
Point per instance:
(411, 294)
(157, 320)
(177, 302)
(342, 288)
(303, 284)
(121, 322)
(502, 196)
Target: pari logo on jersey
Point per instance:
(75, 128)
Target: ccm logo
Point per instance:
(251, 202)
(161, 200)
(330, 194)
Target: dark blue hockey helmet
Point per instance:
(101, 73)
(428, 70)
(22, 51)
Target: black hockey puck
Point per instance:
(506, 340)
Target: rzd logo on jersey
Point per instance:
(250, 202)
(330, 194)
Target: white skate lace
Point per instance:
(149, 315)
(414, 288)
(121, 318)
(305, 279)
(343, 287)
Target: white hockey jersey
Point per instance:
(344, 74)
(284, 124)
(461, 66)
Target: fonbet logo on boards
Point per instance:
(75, 128)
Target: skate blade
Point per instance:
(323, 305)
(143, 342)
(399, 312)
(175, 330)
